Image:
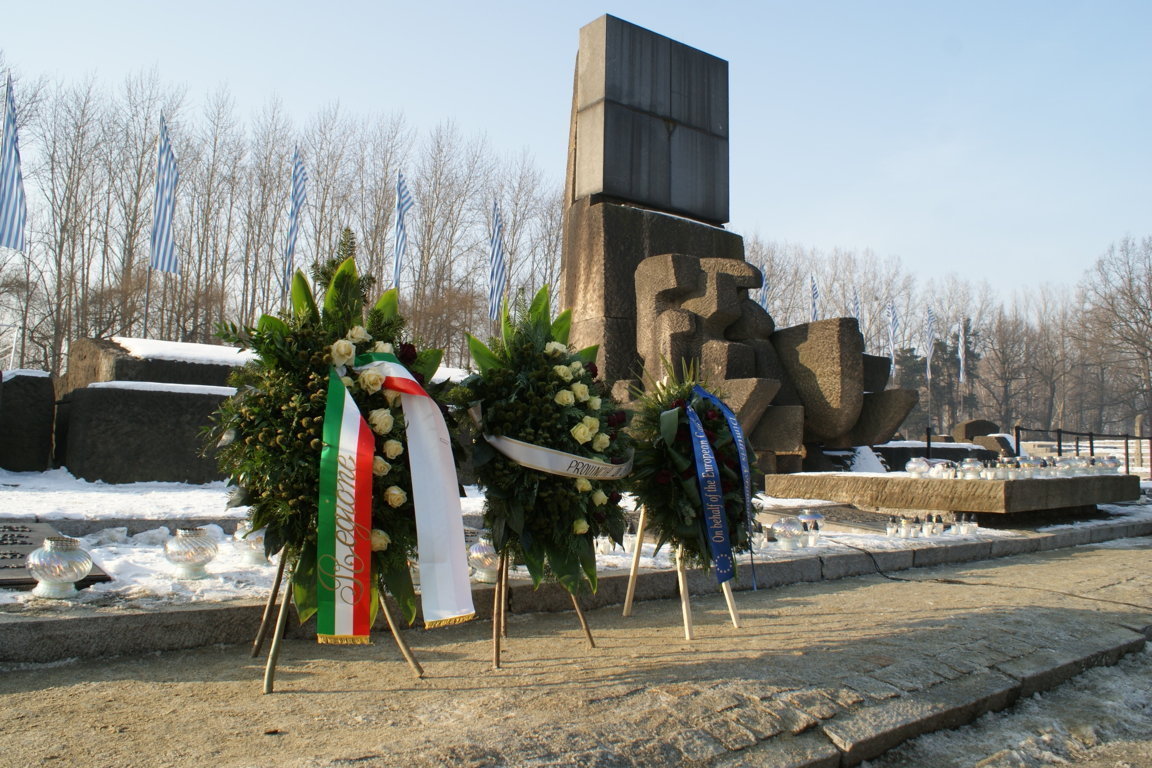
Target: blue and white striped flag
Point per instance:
(13, 205)
(164, 205)
(497, 274)
(762, 295)
(403, 204)
(930, 339)
(893, 327)
(815, 299)
(296, 200)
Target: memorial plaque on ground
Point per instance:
(17, 540)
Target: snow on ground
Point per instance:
(57, 495)
(142, 578)
(1057, 727)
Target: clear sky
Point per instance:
(1004, 140)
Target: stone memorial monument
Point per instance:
(651, 274)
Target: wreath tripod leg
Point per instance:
(498, 604)
(726, 588)
(682, 580)
(401, 643)
(583, 621)
(277, 640)
(269, 607)
(634, 572)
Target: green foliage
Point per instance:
(270, 434)
(324, 271)
(664, 474)
(548, 520)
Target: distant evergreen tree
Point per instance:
(322, 271)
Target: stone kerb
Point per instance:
(124, 435)
(27, 410)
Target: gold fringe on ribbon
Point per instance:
(343, 640)
(449, 621)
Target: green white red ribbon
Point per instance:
(445, 592)
(344, 524)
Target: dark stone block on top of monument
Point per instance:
(651, 116)
(27, 403)
(125, 435)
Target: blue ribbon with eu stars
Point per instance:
(712, 499)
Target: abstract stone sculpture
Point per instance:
(652, 276)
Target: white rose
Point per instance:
(380, 467)
(381, 421)
(393, 448)
(370, 380)
(383, 346)
(580, 390)
(579, 526)
(342, 352)
(563, 372)
(392, 396)
(600, 442)
(555, 348)
(599, 498)
(592, 423)
(347, 381)
(580, 433)
(380, 540)
(357, 334)
(576, 367)
(565, 397)
(594, 403)
(583, 485)
(395, 496)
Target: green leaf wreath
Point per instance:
(531, 387)
(270, 432)
(663, 477)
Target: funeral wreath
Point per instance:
(691, 470)
(273, 432)
(550, 446)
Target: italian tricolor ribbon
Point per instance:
(344, 524)
(445, 592)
